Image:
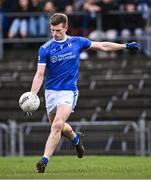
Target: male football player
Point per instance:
(60, 57)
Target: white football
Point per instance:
(29, 102)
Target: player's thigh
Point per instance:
(63, 112)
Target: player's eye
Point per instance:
(58, 30)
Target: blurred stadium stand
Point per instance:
(113, 108)
(111, 90)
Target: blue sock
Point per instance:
(44, 160)
(75, 140)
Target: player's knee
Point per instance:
(57, 126)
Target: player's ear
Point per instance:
(66, 29)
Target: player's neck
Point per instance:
(63, 39)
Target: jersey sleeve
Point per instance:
(84, 43)
(42, 57)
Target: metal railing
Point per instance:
(120, 127)
(101, 137)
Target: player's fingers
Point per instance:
(28, 114)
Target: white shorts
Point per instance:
(55, 98)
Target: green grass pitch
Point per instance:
(70, 167)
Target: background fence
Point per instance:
(103, 137)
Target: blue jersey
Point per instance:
(62, 62)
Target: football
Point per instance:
(29, 102)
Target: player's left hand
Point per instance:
(28, 114)
(133, 45)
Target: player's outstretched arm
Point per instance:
(111, 46)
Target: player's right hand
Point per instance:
(28, 114)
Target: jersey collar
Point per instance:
(61, 40)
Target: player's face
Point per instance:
(58, 31)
